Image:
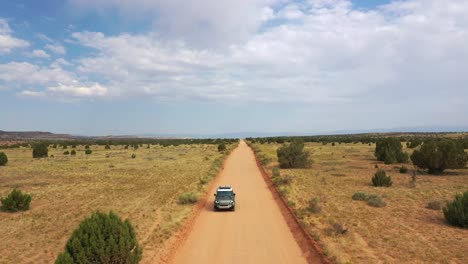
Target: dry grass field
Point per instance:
(404, 231)
(67, 189)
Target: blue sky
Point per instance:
(99, 67)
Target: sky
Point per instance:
(114, 67)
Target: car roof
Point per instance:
(225, 188)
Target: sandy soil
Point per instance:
(255, 233)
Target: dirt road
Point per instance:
(255, 233)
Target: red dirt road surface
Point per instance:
(256, 232)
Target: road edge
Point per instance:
(309, 246)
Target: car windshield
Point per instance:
(224, 194)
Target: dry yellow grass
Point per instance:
(66, 189)
(403, 231)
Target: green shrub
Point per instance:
(102, 238)
(3, 159)
(221, 147)
(314, 206)
(264, 159)
(359, 196)
(65, 146)
(375, 201)
(107, 147)
(456, 212)
(133, 155)
(293, 156)
(126, 147)
(381, 179)
(389, 150)
(73, 152)
(188, 198)
(434, 205)
(86, 147)
(275, 172)
(66, 153)
(40, 151)
(437, 156)
(203, 180)
(277, 181)
(16, 201)
(88, 151)
(403, 169)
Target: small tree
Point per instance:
(86, 147)
(3, 159)
(107, 146)
(390, 151)
(73, 153)
(88, 151)
(221, 147)
(456, 212)
(293, 156)
(102, 238)
(381, 179)
(16, 201)
(437, 156)
(40, 151)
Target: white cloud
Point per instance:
(202, 23)
(56, 48)
(32, 93)
(78, 90)
(320, 51)
(7, 41)
(37, 53)
(24, 73)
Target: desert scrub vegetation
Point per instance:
(381, 179)
(389, 150)
(293, 156)
(371, 199)
(439, 155)
(456, 211)
(16, 201)
(359, 196)
(3, 159)
(40, 150)
(188, 198)
(221, 147)
(403, 169)
(88, 151)
(102, 238)
(66, 190)
(374, 234)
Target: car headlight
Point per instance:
(216, 202)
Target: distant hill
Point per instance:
(32, 135)
(40, 135)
